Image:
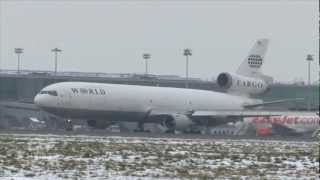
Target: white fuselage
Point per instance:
(99, 100)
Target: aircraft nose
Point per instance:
(38, 100)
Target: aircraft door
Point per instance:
(65, 99)
(189, 105)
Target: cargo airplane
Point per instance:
(102, 104)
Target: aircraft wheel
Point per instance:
(170, 131)
(68, 125)
(140, 128)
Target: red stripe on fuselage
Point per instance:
(287, 120)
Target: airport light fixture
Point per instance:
(309, 59)
(146, 56)
(18, 51)
(56, 51)
(187, 52)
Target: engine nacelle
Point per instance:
(179, 122)
(241, 84)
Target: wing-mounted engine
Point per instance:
(238, 84)
(177, 121)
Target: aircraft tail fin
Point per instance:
(251, 66)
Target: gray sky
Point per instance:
(111, 36)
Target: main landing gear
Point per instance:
(140, 128)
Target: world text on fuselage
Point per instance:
(90, 91)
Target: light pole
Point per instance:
(56, 51)
(187, 52)
(18, 51)
(309, 59)
(146, 56)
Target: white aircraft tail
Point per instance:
(251, 66)
(249, 79)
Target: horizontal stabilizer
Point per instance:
(273, 102)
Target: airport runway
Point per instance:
(104, 133)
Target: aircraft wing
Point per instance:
(272, 102)
(235, 113)
(19, 105)
(165, 113)
(156, 115)
(216, 113)
(211, 118)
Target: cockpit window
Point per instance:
(52, 93)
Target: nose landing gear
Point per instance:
(68, 125)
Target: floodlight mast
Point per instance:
(146, 57)
(187, 52)
(18, 51)
(56, 51)
(309, 59)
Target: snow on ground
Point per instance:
(24, 157)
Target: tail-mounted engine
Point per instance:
(241, 84)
